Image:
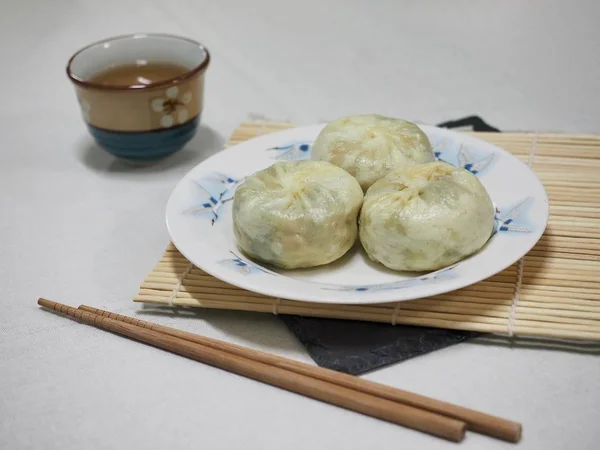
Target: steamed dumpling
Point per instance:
(369, 146)
(425, 217)
(297, 214)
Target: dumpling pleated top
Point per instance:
(369, 146)
(425, 217)
(297, 214)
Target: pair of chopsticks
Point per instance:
(401, 407)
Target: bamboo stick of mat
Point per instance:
(476, 421)
(398, 413)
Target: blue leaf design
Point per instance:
(510, 222)
(244, 266)
(467, 161)
(292, 152)
(217, 190)
(433, 277)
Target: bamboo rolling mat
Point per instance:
(554, 292)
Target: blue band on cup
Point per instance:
(145, 146)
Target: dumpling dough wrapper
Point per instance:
(297, 214)
(425, 217)
(369, 146)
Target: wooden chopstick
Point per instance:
(361, 402)
(476, 421)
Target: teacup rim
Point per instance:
(185, 76)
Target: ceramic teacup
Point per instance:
(146, 120)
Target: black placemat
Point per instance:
(357, 347)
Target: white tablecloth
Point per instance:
(77, 227)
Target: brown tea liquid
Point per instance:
(137, 75)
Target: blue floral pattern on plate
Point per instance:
(296, 151)
(243, 266)
(473, 165)
(215, 189)
(247, 267)
(463, 157)
(439, 275)
(510, 221)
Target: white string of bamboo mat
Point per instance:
(395, 313)
(559, 288)
(179, 284)
(521, 264)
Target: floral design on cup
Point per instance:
(172, 107)
(86, 108)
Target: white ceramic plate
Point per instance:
(201, 227)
